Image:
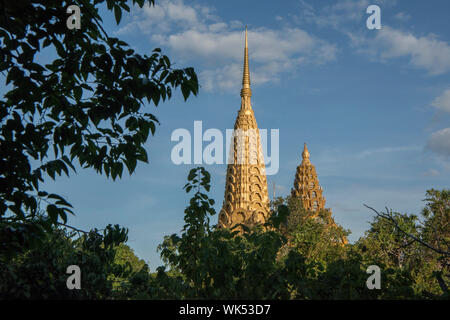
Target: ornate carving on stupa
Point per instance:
(246, 196)
(306, 184)
(307, 188)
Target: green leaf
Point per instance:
(185, 90)
(77, 91)
(52, 212)
(118, 13)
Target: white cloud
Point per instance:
(165, 16)
(340, 14)
(226, 77)
(370, 152)
(194, 34)
(424, 52)
(431, 173)
(334, 15)
(402, 16)
(439, 142)
(443, 101)
(272, 52)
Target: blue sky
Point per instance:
(372, 105)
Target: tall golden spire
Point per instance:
(246, 195)
(246, 91)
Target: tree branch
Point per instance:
(388, 217)
(73, 228)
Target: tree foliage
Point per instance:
(419, 248)
(296, 255)
(73, 97)
(86, 105)
(39, 272)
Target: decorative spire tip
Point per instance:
(305, 153)
(246, 91)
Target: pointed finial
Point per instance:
(246, 43)
(246, 91)
(305, 153)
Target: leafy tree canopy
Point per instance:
(293, 256)
(87, 105)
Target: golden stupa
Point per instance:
(306, 184)
(246, 196)
(308, 190)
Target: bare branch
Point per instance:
(388, 217)
(73, 228)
